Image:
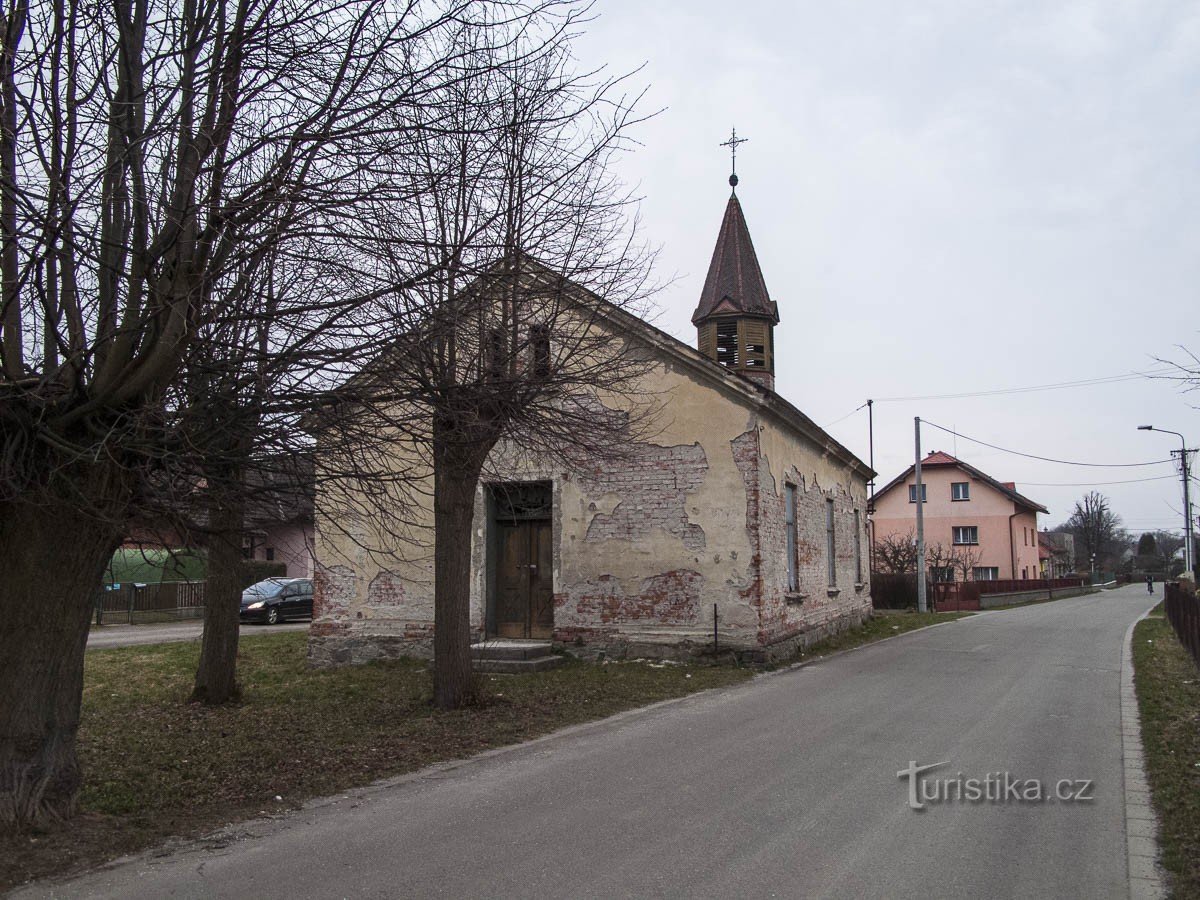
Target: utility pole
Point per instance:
(922, 606)
(1189, 556)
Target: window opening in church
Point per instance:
(857, 548)
(727, 344)
(495, 353)
(793, 584)
(539, 340)
(830, 544)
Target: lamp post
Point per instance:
(1187, 500)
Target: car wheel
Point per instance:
(273, 615)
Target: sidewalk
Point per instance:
(102, 636)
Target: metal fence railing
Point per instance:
(1183, 612)
(132, 603)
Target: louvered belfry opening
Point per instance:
(736, 317)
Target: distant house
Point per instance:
(279, 518)
(1057, 552)
(976, 527)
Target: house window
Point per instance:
(539, 342)
(912, 493)
(857, 548)
(270, 554)
(790, 515)
(830, 544)
(960, 490)
(987, 573)
(942, 573)
(966, 534)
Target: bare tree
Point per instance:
(964, 561)
(896, 554)
(521, 343)
(150, 151)
(1097, 530)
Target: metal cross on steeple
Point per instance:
(732, 144)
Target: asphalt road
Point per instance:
(783, 787)
(131, 635)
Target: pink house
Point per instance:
(977, 522)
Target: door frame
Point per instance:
(498, 511)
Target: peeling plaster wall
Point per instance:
(647, 548)
(818, 608)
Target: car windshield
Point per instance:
(262, 590)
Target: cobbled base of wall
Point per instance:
(785, 649)
(351, 650)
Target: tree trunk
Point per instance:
(216, 675)
(54, 560)
(455, 478)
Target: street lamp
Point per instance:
(1187, 503)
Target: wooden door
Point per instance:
(524, 580)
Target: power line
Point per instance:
(1086, 382)
(1096, 483)
(845, 417)
(1064, 462)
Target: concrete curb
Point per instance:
(1141, 825)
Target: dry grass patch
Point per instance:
(157, 767)
(1168, 692)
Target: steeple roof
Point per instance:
(735, 283)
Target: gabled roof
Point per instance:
(937, 458)
(749, 390)
(735, 283)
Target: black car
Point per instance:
(277, 599)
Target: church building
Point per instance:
(741, 524)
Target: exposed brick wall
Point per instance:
(334, 590)
(385, 590)
(672, 598)
(653, 483)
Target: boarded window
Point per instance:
(755, 338)
(857, 548)
(727, 344)
(708, 340)
(539, 342)
(830, 544)
(793, 583)
(495, 353)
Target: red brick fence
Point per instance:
(1183, 612)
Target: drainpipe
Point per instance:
(1012, 546)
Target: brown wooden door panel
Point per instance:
(541, 615)
(524, 580)
(512, 580)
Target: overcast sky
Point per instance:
(945, 197)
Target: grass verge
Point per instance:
(1168, 694)
(157, 767)
(883, 624)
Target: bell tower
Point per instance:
(736, 317)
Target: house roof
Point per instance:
(940, 459)
(735, 283)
